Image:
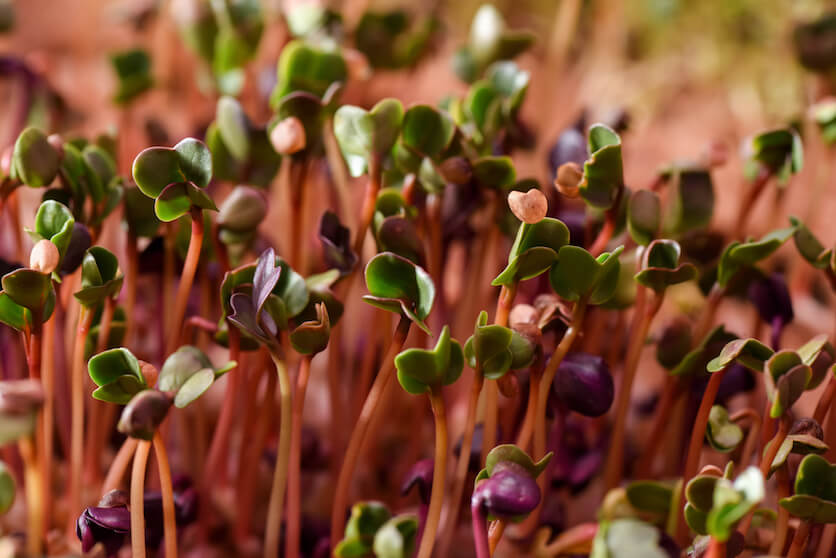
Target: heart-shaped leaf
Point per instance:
(35, 161)
(157, 167)
(100, 277)
(365, 520)
(495, 349)
(815, 491)
(177, 199)
(398, 285)
(577, 274)
(421, 370)
(697, 359)
(363, 135)
(662, 266)
(534, 251)
(118, 375)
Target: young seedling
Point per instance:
(505, 489)
(175, 177)
(426, 371)
(396, 285)
(373, 531)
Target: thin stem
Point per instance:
(131, 279)
(439, 475)
(825, 400)
(780, 538)
(220, 437)
(33, 487)
(358, 435)
(698, 431)
(605, 234)
(709, 311)
(461, 466)
(495, 533)
(47, 445)
(119, 466)
(137, 499)
(554, 362)
(574, 538)
(85, 318)
(169, 517)
(276, 506)
(97, 432)
(480, 530)
(799, 540)
(642, 318)
(661, 422)
(369, 200)
(294, 487)
(186, 279)
(749, 199)
(527, 428)
(491, 410)
(774, 445)
(828, 537)
(716, 549)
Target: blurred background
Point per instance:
(687, 73)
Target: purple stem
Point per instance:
(480, 529)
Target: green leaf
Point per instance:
(603, 177)
(311, 337)
(427, 131)
(809, 246)
(157, 167)
(13, 314)
(495, 172)
(779, 151)
(28, 288)
(99, 279)
(663, 268)
(496, 349)
(110, 365)
(691, 201)
(578, 275)
(34, 160)
(176, 200)
(363, 135)
(751, 353)
(739, 255)
(799, 444)
(305, 67)
(7, 488)
(643, 216)
(396, 538)
(233, 127)
(722, 434)
(786, 378)
(100, 170)
(421, 370)
(54, 222)
(651, 496)
(513, 454)
(195, 386)
(534, 251)
(398, 285)
(815, 491)
(133, 70)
